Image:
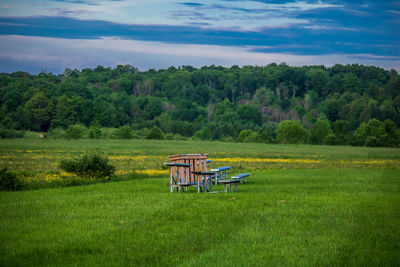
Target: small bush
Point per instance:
(155, 133)
(56, 133)
(124, 132)
(331, 140)
(10, 133)
(372, 141)
(94, 132)
(90, 165)
(75, 131)
(9, 181)
(169, 136)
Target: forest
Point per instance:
(339, 105)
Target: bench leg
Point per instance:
(226, 188)
(236, 187)
(230, 187)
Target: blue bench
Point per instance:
(234, 180)
(230, 182)
(242, 176)
(221, 173)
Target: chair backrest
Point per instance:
(198, 162)
(179, 172)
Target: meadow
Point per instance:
(302, 205)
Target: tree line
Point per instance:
(342, 104)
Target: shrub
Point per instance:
(9, 181)
(10, 133)
(75, 131)
(203, 135)
(179, 137)
(90, 165)
(243, 135)
(94, 132)
(56, 133)
(372, 141)
(248, 136)
(291, 132)
(169, 136)
(320, 130)
(124, 132)
(331, 140)
(155, 133)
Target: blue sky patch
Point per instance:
(365, 32)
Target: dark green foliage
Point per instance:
(90, 165)
(320, 130)
(340, 127)
(331, 140)
(155, 133)
(291, 132)
(124, 132)
(94, 132)
(10, 133)
(56, 133)
(248, 136)
(376, 133)
(75, 131)
(40, 110)
(211, 103)
(9, 181)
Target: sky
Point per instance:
(52, 35)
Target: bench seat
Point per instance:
(221, 169)
(186, 184)
(230, 182)
(242, 176)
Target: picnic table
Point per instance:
(205, 178)
(183, 168)
(191, 170)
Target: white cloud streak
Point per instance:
(55, 55)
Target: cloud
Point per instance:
(65, 12)
(55, 54)
(8, 6)
(191, 4)
(324, 39)
(86, 2)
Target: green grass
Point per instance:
(280, 217)
(214, 149)
(342, 211)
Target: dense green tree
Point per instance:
(155, 133)
(341, 130)
(214, 102)
(263, 97)
(247, 136)
(291, 132)
(40, 110)
(124, 132)
(94, 132)
(249, 113)
(75, 131)
(320, 130)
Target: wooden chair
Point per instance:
(179, 177)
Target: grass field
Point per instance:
(303, 205)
